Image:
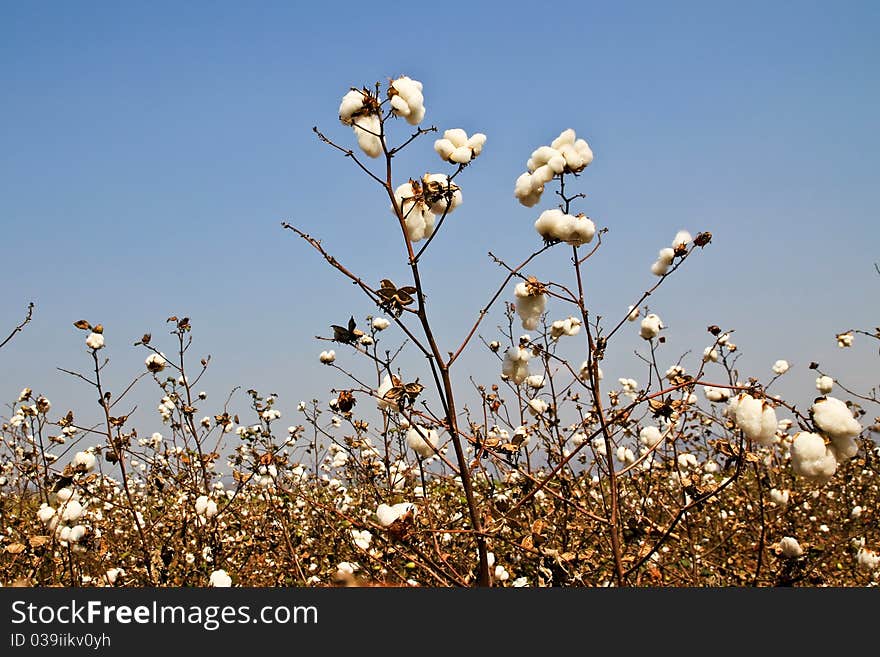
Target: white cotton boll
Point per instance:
(441, 195)
(856, 512)
(366, 129)
(327, 357)
(77, 533)
(843, 448)
(529, 306)
(650, 436)
(45, 513)
(824, 384)
(834, 419)
(84, 460)
(456, 136)
(461, 155)
(220, 579)
(361, 538)
(867, 559)
(64, 494)
(526, 191)
(666, 255)
(757, 419)
(572, 326)
(476, 142)
(585, 153)
(537, 407)
(780, 367)
(577, 230)
(72, 512)
(388, 514)
(540, 157)
(633, 315)
(779, 497)
(710, 355)
(95, 341)
(114, 573)
(687, 461)
(352, 102)
(155, 363)
(535, 381)
(565, 137)
(515, 364)
(556, 163)
(682, 238)
(422, 440)
(548, 223)
(380, 323)
(790, 548)
(444, 148)
(811, 458)
(625, 455)
(659, 268)
(650, 327)
(716, 394)
(542, 175)
(407, 99)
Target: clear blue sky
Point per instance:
(150, 152)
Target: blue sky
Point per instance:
(150, 152)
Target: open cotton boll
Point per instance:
(682, 238)
(352, 102)
(476, 143)
(714, 394)
(388, 514)
(834, 419)
(548, 223)
(779, 497)
(577, 230)
(542, 175)
(867, 559)
(516, 364)
(529, 305)
(650, 327)
(85, 461)
(811, 458)
(649, 436)
(422, 440)
(220, 579)
(77, 533)
(45, 513)
(526, 191)
(780, 367)
(444, 148)
(843, 448)
(461, 155)
(757, 419)
(537, 407)
(790, 548)
(366, 129)
(540, 157)
(440, 194)
(407, 99)
(659, 268)
(535, 381)
(666, 255)
(567, 136)
(72, 511)
(457, 136)
(824, 384)
(385, 404)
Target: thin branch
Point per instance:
(27, 319)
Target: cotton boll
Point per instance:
(366, 129)
(716, 394)
(659, 268)
(85, 461)
(388, 514)
(585, 154)
(407, 99)
(824, 384)
(650, 327)
(95, 341)
(542, 175)
(422, 440)
(790, 548)
(650, 436)
(633, 314)
(710, 355)
(757, 419)
(843, 448)
(548, 223)
(834, 419)
(441, 195)
(535, 381)
(155, 363)
(220, 579)
(45, 513)
(380, 323)
(540, 157)
(666, 255)
(77, 533)
(327, 357)
(515, 364)
(352, 102)
(537, 407)
(476, 143)
(530, 305)
(779, 497)
(578, 230)
(461, 155)
(64, 494)
(565, 137)
(72, 511)
(456, 136)
(625, 455)
(811, 458)
(557, 164)
(444, 148)
(385, 404)
(780, 367)
(682, 238)
(526, 191)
